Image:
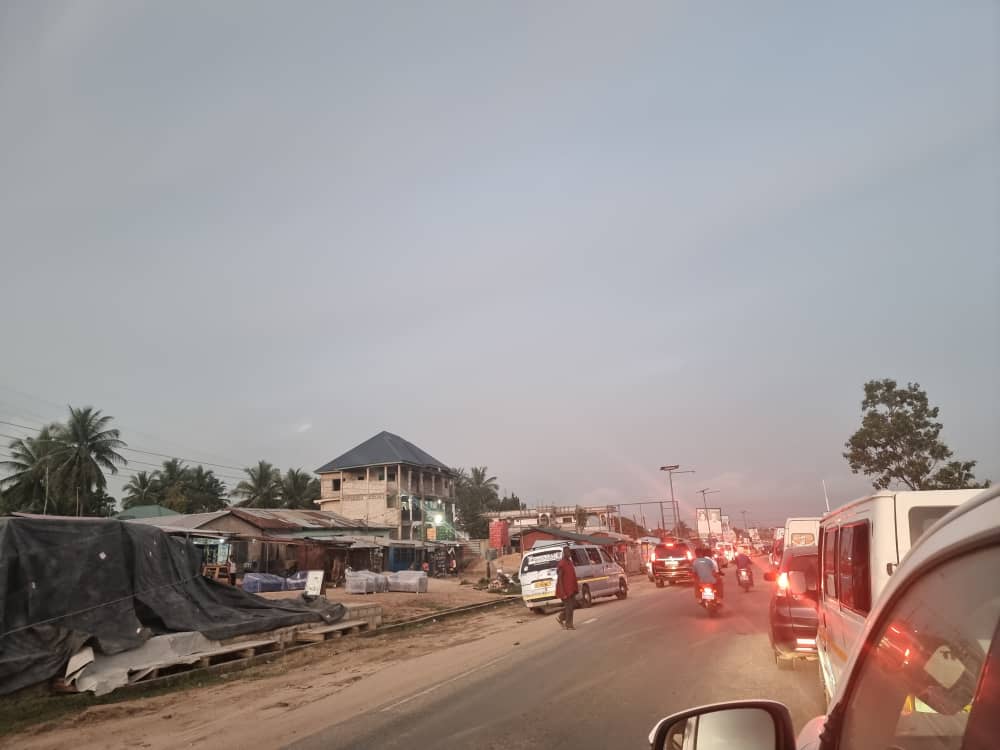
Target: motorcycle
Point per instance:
(745, 578)
(709, 598)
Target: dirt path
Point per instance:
(274, 700)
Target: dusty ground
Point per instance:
(442, 593)
(206, 716)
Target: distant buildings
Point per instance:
(389, 481)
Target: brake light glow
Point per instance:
(783, 582)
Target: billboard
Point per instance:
(709, 522)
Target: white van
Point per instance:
(802, 532)
(597, 574)
(860, 544)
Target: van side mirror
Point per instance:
(748, 725)
(770, 576)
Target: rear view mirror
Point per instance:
(770, 576)
(748, 725)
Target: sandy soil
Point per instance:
(208, 716)
(510, 563)
(442, 593)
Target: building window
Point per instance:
(392, 500)
(381, 475)
(361, 476)
(335, 485)
(392, 475)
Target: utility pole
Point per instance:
(746, 527)
(45, 509)
(672, 469)
(704, 502)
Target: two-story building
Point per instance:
(391, 482)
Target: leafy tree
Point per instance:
(511, 503)
(899, 441)
(298, 489)
(630, 527)
(141, 489)
(262, 489)
(30, 469)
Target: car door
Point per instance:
(584, 567)
(598, 575)
(922, 673)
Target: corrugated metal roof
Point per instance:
(266, 519)
(185, 521)
(384, 448)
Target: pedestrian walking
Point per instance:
(566, 589)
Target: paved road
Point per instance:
(605, 685)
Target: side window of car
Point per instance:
(606, 557)
(580, 557)
(919, 676)
(854, 579)
(594, 555)
(829, 551)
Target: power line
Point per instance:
(132, 450)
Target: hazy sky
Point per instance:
(570, 241)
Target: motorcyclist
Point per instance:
(706, 570)
(743, 562)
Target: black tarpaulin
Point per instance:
(113, 584)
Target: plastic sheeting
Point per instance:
(412, 581)
(66, 583)
(365, 582)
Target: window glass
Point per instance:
(541, 561)
(595, 556)
(580, 557)
(854, 579)
(915, 687)
(921, 519)
(606, 557)
(830, 563)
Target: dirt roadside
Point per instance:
(442, 593)
(212, 715)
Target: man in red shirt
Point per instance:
(566, 589)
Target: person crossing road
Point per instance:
(566, 589)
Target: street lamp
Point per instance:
(671, 469)
(438, 519)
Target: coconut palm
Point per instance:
(86, 447)
(205, 491)
(30, 470)
(298, 489)
(479, 480)
(142, 489)
(262, 489)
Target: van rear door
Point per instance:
(918, 511)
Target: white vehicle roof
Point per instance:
(923, 497)
(976, 518)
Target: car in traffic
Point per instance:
(670, 563)
(792, 612)
(861, 544)
(597, 574)
(923, 674)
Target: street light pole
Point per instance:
(704, 502)
(746, 527)
(674, 512)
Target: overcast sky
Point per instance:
(573, 241)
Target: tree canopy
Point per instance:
(899, 441)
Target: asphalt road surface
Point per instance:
(628, 664)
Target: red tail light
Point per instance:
(783, 582)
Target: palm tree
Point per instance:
(30, 466)
(205, 491)
(298, 489)
(86, 448)
(479, 480)
(141, 489)
(262, 489)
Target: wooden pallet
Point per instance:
(220, 655)
(326, 632)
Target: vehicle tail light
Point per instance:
(783, 582)
(689, 555)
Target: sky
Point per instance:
(570, 241)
